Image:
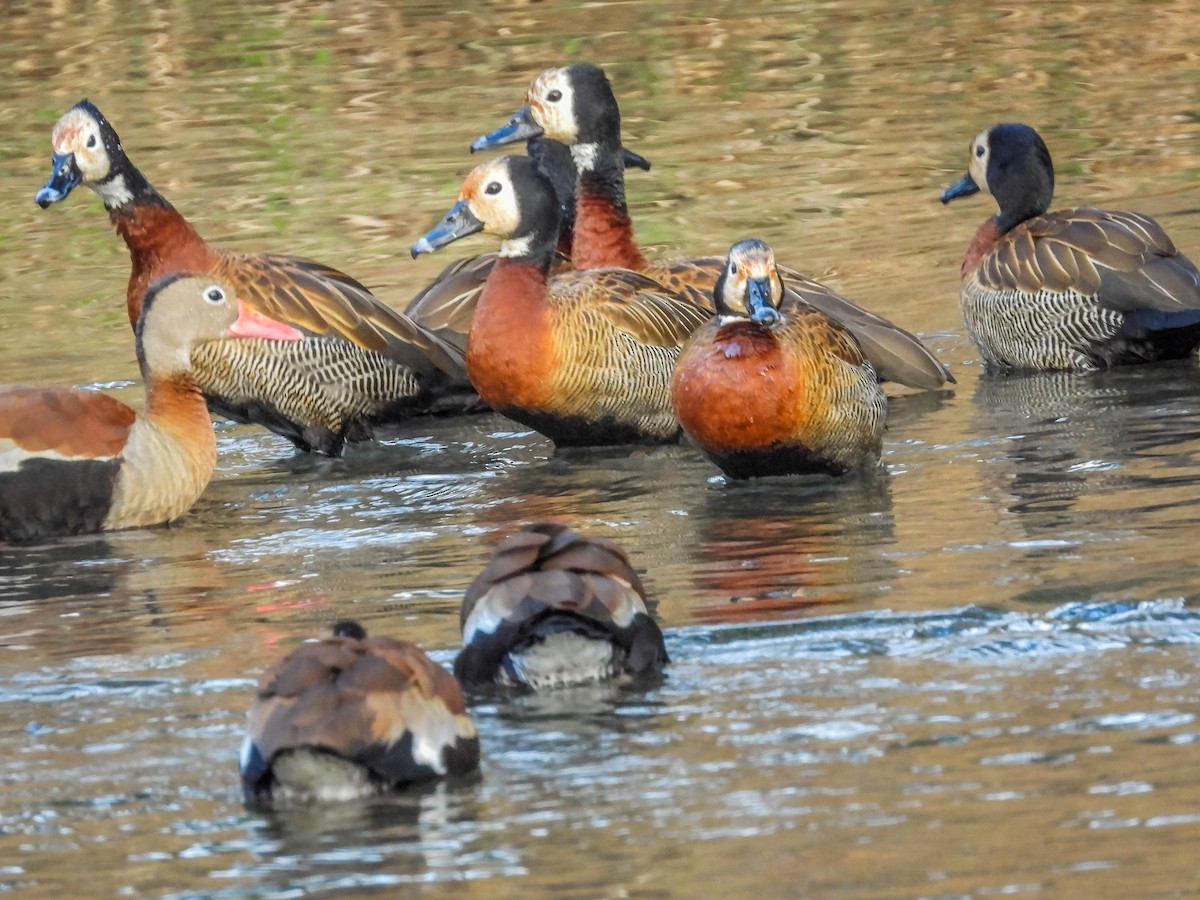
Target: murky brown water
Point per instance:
(974, 675)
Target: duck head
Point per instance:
(749, 287)
(1010, 162)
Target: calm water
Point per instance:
(973, 675)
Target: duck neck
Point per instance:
(176, 407)
(169, 456)
(985, 237)
(603, 229)
(159, 238)
(1008, 219)
(1023, 203)
(518, 283)
(175, 396)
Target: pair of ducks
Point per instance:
(587, 357)
(352, 716)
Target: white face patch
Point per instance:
(114, 192)
(981, 151)
(552, 102)
(492, 199)
(79, 134)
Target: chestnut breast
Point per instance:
(985, 238)
(511, 352)
(735, 387)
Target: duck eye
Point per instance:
(214, 295)
(91, 141)
(493, 188)
(554, 96)
(733, 268)
(979, 151)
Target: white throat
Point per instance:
(516, 246)
(114, 192)
(585, 156)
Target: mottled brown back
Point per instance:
(346, 695)
(555, 567)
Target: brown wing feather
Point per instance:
(64, 421)
(345, 694)
(329, 303)
(447, 305)
(1125, 259)
(640, 307)
(553, 566)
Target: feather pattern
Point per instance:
(378, 704)
(604, 230)
(611, 338)
(583, 357)
(555, 608)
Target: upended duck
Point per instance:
(553, 608)
(353, 716)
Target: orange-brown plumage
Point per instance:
(64, 421)
(604, 235)
(511, 352)
(983, 241)
(361, 363)
(736, 389)
(353, 715)
(583, 357)
(770, 386)
(75, 461)
(160, 241)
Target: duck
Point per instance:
(360, 364)
(772, 386)
(576, 105)
(553, 609)
(76, 461)
(353, 716)
(446, 305)
(1074, 289)
(584, 358)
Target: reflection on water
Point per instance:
(973, 674)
